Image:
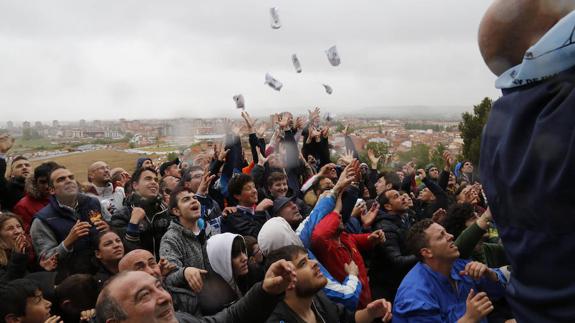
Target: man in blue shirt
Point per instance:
(441, 287)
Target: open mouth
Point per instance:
(195, 207)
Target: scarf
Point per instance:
(552, 54)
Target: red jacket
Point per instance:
(27, 207)
(334, 255)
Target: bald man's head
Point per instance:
(510, 27)
(99, 173)
(135, 296)
(140, 260)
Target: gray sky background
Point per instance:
(163, 59)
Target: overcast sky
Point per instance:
(107, 59)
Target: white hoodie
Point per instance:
(219, 249)
(277, 233)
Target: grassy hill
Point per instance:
(78, 163)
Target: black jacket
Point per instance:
(11, 191)
(255, 306)
(244, 223)
(391, 261)
(325, 311)
(149, 232)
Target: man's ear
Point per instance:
(387, 207)
(426, 253)
(12, 318)
(237, 197)
(176, 211)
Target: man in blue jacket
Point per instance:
(528, 152)
(441, 287)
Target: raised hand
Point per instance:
(376, 237)
(368, 218)
(101, 225)
(166, 267)
(478, 306)
(137, 215)
(260, 132)
(439, 216)
(447, 160)
(373, 158)
(229, 210)
(347, 158)
(346, 130)
(49, 263)
(223, 154)
(280, 276)
(205, 183)
(314, 114)
(477, 270)
(264, 205)
(376, 309)
(327, 169)
(79, 230)
(346, 177)
(87, 315)
(359, 209)
(250, 123)
(261, 159)
(20, 243)
(299, 122)
(351, 268)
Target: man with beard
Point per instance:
(391, 260)
(67, 225)
(144, 218)
(12, 190)
(307, 303)
(136, 296)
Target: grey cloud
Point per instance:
(136, 59)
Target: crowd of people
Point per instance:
(274, 232)
(280, 232)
